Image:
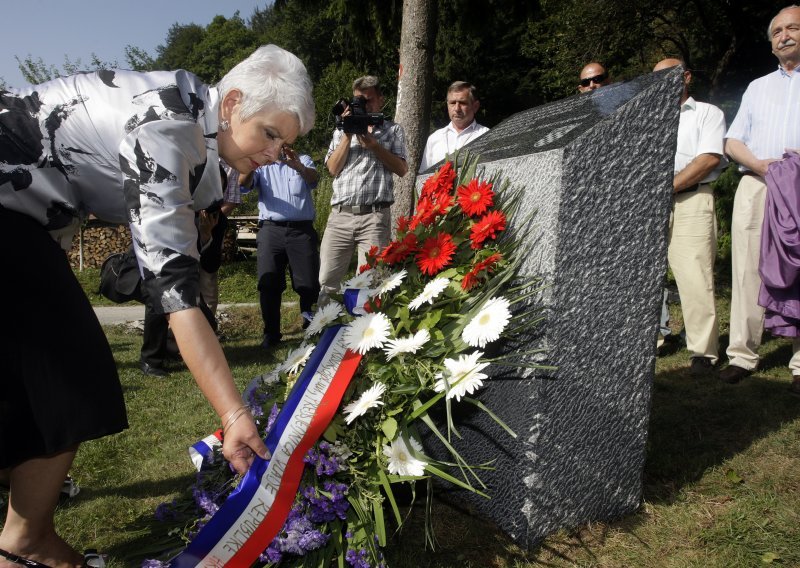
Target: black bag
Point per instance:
(120, 280)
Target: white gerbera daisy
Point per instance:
(462, 376)
(297, 358)
(429, 293)
(401, 461)
(488, 324)
(370, 398)
(390, 283)
(367, 332)
(363, 280)
(408, 344)
(323, 318)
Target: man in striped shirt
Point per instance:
(766, 125)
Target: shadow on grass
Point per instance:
(697, 424)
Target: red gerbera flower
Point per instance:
(373, 253)
(488, 264)
(435, 253)
(425, 213)
(487, 227)
(440, 182)
(402, 224)
(364, 267)
(476, 197)
(398, 251)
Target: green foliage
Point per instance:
(211, 52)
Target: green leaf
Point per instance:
(387, 487)
(389, 428)
(733, 477)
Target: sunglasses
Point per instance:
(596, 79)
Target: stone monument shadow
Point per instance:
(596, 172)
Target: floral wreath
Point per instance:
(437, 296)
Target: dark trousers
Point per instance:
(158, 343)
(280, 245)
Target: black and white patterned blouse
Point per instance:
(125, 146)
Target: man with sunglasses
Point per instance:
(593, 76)
(693, 223)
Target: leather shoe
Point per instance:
(152, 371)
(701, 367)
(733, 374)
(794, 388)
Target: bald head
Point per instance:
(593, 76)
(667, 63)
(671, 62)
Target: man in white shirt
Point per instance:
(693, 223)
(462, 104)
(766, 125)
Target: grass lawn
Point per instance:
(722, 478)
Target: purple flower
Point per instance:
(154, 564)
(357, 559)
(273, 415)
(271, 554)
(166, 512)
(205, 501)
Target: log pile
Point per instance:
(98, 241)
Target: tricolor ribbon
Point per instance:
(354, 300)
(199, 451)
(256, 510)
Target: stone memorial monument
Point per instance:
(597, 170)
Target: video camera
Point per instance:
(358, 121)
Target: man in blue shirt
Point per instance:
(286, 236)
(766, 125)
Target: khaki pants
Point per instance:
(691, 253)
(747, 317)
(343, 233)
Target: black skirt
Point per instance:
(58, 380)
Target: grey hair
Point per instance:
(457, 86)
(272, 77)
(367, 82)
(772, 21)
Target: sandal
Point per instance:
(20, 560)
(91, 559)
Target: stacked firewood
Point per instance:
(99, 241)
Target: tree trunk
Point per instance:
(417, 44)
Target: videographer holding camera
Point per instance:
(365, 151)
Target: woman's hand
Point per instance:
(241, 443)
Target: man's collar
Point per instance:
(786, 73)
(689, 103)
(469, 128)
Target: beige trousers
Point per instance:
(691, 254)
(343, 234)
(747, 317)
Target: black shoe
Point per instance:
(152, 371)
(269, 342)
(733, 374)
(701, 367)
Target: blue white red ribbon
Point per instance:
(354, 300)
(253, 514)
(199, 451)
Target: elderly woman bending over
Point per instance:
(141, 148)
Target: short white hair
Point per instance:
(272, 77)
(769, 28)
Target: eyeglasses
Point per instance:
(596, 79)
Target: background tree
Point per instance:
(417, 43)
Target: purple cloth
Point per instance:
(779, 265)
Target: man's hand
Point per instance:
(367, 141)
